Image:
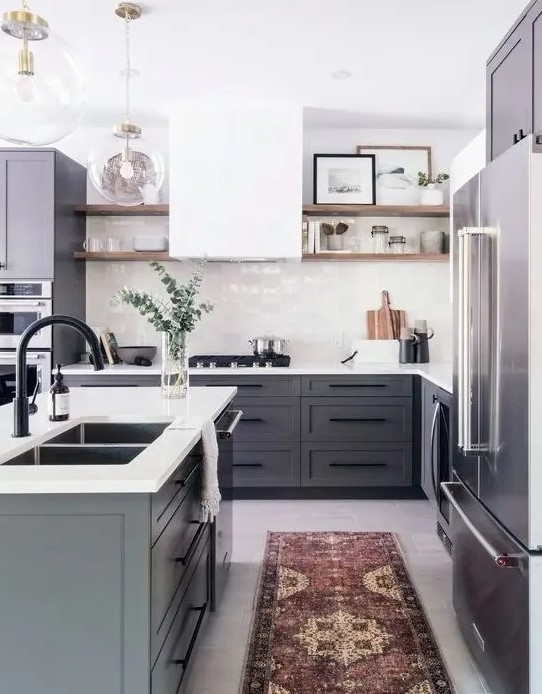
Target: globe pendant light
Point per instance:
(123, 171)
(42, 89)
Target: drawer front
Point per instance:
(277, 419)
(253, 385)
(344, 465)
(178, 648)
(270, 465)
(357, 386)
(171, 557)
(364, 419)
(166, 500)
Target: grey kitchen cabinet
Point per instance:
(357, 386)
(268, 419)
(128, 583)
(266, 465)
(356, 464)
(535, 20)
(39, 230)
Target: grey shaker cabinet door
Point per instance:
(536, 18)
(27, 215)
(357, 386)
(364, 419)
(509, 92)
(266, 465)
(252, 385)
(273, 419)
(357, 465)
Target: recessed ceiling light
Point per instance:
(341, 74)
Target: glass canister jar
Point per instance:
(380, 238)
(397, 244)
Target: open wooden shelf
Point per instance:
(380, 257)
(124, 256)
(377, 210)
(161, 210)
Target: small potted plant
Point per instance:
(432, 192)
(175, 317)
(334, 235)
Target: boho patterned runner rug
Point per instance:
(337, 614)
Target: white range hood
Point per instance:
(236, 181)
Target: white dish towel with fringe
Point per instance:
(210, 492)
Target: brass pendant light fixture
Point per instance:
(41, 81)
(122, 171)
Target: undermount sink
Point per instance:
(112, 432)
(83, 454)
(93, 443)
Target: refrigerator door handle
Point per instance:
(464, 434)
(503, 561)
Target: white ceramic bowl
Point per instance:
(150, 243)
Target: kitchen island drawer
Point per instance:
(252, 385)
(345, 465)
(171, 557)
(357, 386)
(364, 419)
(165, 501)
(266, 465)
(275, 419)
(176, 653)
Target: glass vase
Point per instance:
(174, 365)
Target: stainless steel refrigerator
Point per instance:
(496, 494)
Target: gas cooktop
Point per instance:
(244, 361)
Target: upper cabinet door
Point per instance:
(536, 23)
(236, 181)
(26, 215)
(509, 92)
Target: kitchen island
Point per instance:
(107, 571)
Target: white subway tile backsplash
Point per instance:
(316, 306)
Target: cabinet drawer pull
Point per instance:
(183, 662)
(192, 546)
(252, 419)
(358, 465)
(185, 480)
(358, 419)
(357, 385)
(247, 465)
(251, 385)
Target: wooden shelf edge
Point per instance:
(161, 210)
(124, 256)
(379, 257)
(377, 210)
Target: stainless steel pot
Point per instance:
(268, 346)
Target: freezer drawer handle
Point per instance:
(503, 561)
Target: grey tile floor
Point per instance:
(218, 661)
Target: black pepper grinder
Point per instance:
(422, 346)
(407, 346)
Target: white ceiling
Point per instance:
(419, 63)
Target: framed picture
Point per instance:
(344, 179)
(397, 170)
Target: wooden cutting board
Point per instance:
(385, 323)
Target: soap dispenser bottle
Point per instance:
(59, 398)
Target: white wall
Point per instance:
(319, 307)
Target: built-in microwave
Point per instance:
(21, 303)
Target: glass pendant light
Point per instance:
(42, 89)
(124, 166)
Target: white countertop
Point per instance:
(146, 473)
(438, 373)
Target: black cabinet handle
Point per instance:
(357, 385)
(192, 546)
(185, 480)
(252, 419)
(3, 266)
(358, 419)
(247, 465)
(522, 134)
(358, 465)
(516, 138)
(251, 385)
(183, 662)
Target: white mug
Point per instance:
(92, 245)
(112, 244)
